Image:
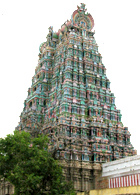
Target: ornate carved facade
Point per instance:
(6, 188)
(71, 101)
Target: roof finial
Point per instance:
(82, 7)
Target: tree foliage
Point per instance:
(26, 163)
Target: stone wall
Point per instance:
(84, 175)
(102, 183)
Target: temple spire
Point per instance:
(70, 100)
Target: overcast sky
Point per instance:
(24, 26)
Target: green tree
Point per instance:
(26, 163)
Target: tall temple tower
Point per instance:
(70, 100)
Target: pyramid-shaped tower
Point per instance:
(70, 100)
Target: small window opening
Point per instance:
(44, 103)
(34, 89)
(30, 105)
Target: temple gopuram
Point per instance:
(70, 100)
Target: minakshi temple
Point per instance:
(70, 100)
